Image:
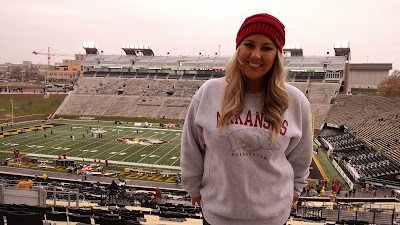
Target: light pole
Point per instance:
(219, 50)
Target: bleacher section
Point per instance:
(347, 108)
(374, 119)
(174, 108)
(88, 86)
(372, 163)
(344, 141)
(130, 98)
(176, 79)
(125, 97)
(331, 63)
(121, 106)
(367, 163)
(382, 132)
(319, 95)
(171, 62)
(96, 96)
(358, 161)
(328, 69)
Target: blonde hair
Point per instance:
(276, 97)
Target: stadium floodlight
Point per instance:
(342, 48)
(90, 47)
(293, 50)
(342, 44)
(293, 46)
(88, 44)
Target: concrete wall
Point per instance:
(366, 79)
(367, 75)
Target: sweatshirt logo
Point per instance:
(249, 140)
(259, 120)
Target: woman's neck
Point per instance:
(253, 87)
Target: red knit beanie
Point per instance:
(262, 24)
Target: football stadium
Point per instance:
(123, 121)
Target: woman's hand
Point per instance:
(295, 197)
(196, 200)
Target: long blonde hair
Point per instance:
(276, 97)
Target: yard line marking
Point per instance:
(166, 154)
(176, 161)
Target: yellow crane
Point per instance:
(48, 60)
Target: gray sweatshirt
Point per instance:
(242, 175)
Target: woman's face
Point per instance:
(256, 56)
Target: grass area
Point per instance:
(364, 91)
(58, 141)
(125, 119)
(4, 155)
(330, 169)
(29, 106)
(21, 83)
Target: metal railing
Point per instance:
(379, 214)
(38, 195)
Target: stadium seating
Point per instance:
(315, 62)
(137, 97)
(374, 119)
(364, 162)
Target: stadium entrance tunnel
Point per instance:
(141, 141)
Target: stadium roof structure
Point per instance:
(342, 48)
(293, 50)
(90, 48)
(137, 50)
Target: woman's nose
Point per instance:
(256, 53)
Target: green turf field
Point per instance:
(87, 148)
(58, 141)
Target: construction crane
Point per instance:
(48, 60)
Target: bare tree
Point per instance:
(395, 73)
(390, 86)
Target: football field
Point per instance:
(92, 140)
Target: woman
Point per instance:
(247, 139)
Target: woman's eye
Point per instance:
(248, 45)
(266, 48)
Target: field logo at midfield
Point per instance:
(141, 141)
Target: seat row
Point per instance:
(19, 214)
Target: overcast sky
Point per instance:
(188, 27)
